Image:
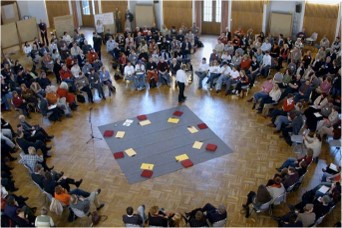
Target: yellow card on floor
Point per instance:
(173, 120)
(130, 152)
(120, 134)
(182, 157)
(144, 122)
(197, 145)
(192, 129)
(147, 166)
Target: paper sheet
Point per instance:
(333, 167)
(147, 166)
(130, 152)
(173, 120)
(324, 189)
(120, 134)
(317, 114)
(144, 122)
(197, 145)
(127, 123)
(182, 157)
(192, 129)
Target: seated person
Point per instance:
(86, 204)
(257, 199)
(302, 219)
(163, 71)
(132, 219)
(202, 71)
(265, 90)
(157, 217)
(293, 162)
(94, 81)
(152, 73)
(243, 81)
(287, 106)
(291, 178)
(32, 159)
(225, 71)
(62, 195)
(272, 97)
(177, 220)
(275, 187)
(303, 92)
(198, 220)
(296, 123)
(106, 80)
(82, 84)
(214, 73)
(20, 103)
(63, 91)
(213, 214)
(53, 99)
(29, 96)
(43, 220)
(53, 178)
(25, 144)
(331, 172)
(140, 74)
(22, 216)
(233, 80)
(36, 132)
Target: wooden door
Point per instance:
(88, 9)
(211, 20)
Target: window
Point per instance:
(207, 10)
(85, 7)
(218, 11)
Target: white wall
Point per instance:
(35, 9)
(158, 9)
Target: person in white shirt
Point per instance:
(129, 72)
(112, 47)
(99, 27)
(67, 38)
(233, 80)
(225, 74)
(214, 70)
(27, 48)
(44, 220)
(219, 47)
(75, 51)
(182, 81)
(273, 97)
(140, 73)
(266, 64)
(266, 46)
(202, 71)
(75, 70)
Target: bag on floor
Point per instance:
(153, 83)
(80, 98)
(95, 218)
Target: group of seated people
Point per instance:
(158, 217)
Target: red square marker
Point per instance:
(211, 147)
(202, 126)
(142, 117)
(146, 173)
(119, 155)
(187, 163)
(177, 113)
(108, 133)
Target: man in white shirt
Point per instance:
(75, 70)
(112, 47)
(266, 64)
(266, 46)
(129, 72)
(44, 220)
(182, 81)
(234, 76)
(140, 73)
(225, 74)
(202, 71)
(214, 73)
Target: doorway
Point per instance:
(88, 10)
(211, 19)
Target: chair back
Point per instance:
(319, 220)
(220, 223)
(280, 199)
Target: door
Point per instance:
(211, 22)
(88, 9)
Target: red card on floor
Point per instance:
(187, 163)
(108, 133)
(202, 126)
(211, 147)
(142, 117)
(119, 155)
(177, 113)
(146, 173)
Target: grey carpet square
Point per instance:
(160, 142)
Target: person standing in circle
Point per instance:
(182, 81)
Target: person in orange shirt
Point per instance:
(92, 56)
(245, 62)
(62, 195)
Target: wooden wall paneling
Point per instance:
(110, 6)
(55, 9)
(177, 13)
(247, 14)
(224, 15)
(321, 19)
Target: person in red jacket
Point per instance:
(20, 103)
(288, 105)
(92, 56)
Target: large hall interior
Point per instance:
(263, 76)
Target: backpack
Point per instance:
(153, 83)
(56, 207)
(80, 98)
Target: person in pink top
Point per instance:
(265, 90)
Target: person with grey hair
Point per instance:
(44, 220)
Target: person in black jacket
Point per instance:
(97, 40)
(132, 219)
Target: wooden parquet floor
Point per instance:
(227, 179)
